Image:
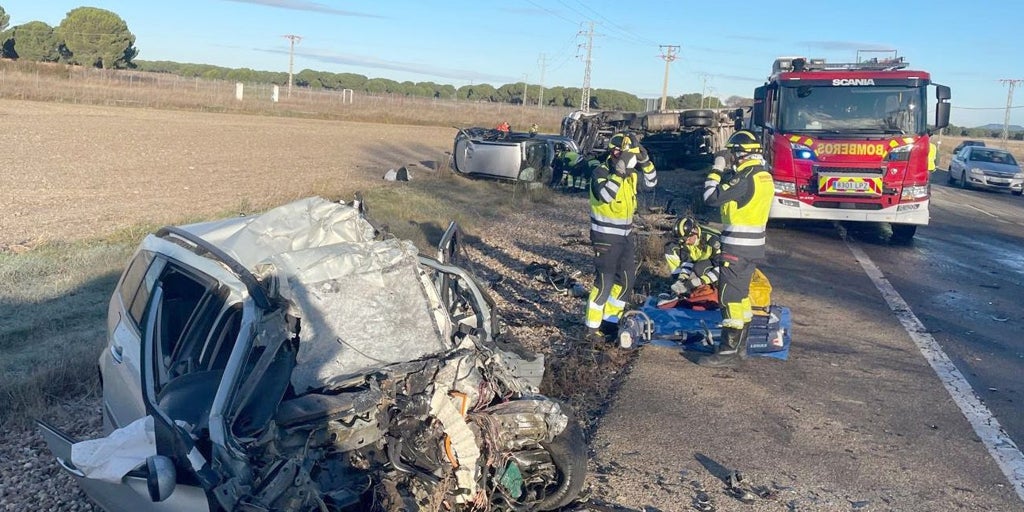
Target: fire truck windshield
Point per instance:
(861, 109)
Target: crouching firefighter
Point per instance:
(743, 194)
(695, 257)
(613, 202)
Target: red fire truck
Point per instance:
(849, 141)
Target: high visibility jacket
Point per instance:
(682, 257)
(744, 202)
(613, 200)
(932, 153)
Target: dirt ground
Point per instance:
(115, 167)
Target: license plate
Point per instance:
(849, 186)
(1000, 181)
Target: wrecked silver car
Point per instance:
(516, 156)
(301, 360)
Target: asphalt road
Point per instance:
(856, 419)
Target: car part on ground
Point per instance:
(515, 156)
(672, 138)
(302, 360)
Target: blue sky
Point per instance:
(727, 47)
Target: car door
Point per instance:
(167, 320)
(119, 363)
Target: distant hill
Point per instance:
(993, 126)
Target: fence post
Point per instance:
(239, 88)
(275, 94)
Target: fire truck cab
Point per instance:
(849, 141)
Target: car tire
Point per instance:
(1017, 192)
(949, 177)
(569, 453)
(963, 180)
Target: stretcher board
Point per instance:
(688, 327)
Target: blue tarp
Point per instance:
(688, 327)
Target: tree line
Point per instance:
(94, 37)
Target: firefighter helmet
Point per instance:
(623, 143)
(743, 141)
(687, 227)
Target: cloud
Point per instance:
(301, 5)
(409, 67)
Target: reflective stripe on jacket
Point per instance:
(744, 203)
(612, 202)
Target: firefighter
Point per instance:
(613, 188)
(933, 151)
(695, 257)
(743, 195)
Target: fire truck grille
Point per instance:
(848, 171)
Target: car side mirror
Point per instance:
(161, 477)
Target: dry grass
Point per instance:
(124, 88)
(949, 142)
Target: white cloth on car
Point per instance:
(111, 458)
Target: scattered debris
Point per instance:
(400, 174)
(562, 281)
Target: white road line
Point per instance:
(1000, 446)
(975, 208)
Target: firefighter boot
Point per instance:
(727, 350)
(744, 334)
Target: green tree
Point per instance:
(98, 38)
(4, 19)
(34, 41)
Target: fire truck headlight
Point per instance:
(900, 154)
(785, 187)
(802, 152)
(914, 192)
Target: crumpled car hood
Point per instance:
(362, 302)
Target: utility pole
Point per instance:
(526, 88)
(669, 55)
(585, 101)
(704, 88)
(291, 58)
(1009, 105)
(543, 66)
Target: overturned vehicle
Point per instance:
(515, 156)
(301, 360)
(673, 139)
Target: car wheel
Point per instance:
(1017, 192)
(569, 453)
(963, 180)
(949, 177)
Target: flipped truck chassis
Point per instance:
(674, 138)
